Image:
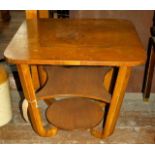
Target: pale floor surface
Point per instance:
(136, 124)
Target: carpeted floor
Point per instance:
(136, 124)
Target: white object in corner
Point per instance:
(5, 103)
(24, 110)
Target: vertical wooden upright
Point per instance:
(150, 63)
(31, 14)
(115, 104)
(33, 109)
(149, 69)
(36, 75)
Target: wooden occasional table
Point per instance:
(59, 58)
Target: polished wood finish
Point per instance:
(33, 109)
(42, 75)
(8, 29)
(75, 113)
(32, 14)
(107, 80)
(70, 44)
(115, 105)
(77, 43)
(38, 75)
(35, 77)
(141, 19)
(75, 82)
(3, 75)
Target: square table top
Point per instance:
(92, 42)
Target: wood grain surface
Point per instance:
(75, 113)
(76, 42)
(75, 82)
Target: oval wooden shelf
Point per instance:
(75, 82)
(75, 113)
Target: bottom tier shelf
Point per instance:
(75, 113)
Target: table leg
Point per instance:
(115, 105)
(35, 77)
(29, 92)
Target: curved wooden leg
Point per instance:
(42, 75)
(149, 69)
(29, 92)
(115, 105)
(35, 76)
(110, 79)
(107, 79)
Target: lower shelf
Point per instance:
(75, 113)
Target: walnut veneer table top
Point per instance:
(76, 42)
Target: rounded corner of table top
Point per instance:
(6, 56)
(22, 54)
(9, 59)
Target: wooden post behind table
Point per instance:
(37, 71)
(150, 63)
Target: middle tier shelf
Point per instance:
(74, 82)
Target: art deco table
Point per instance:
(67, 60)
